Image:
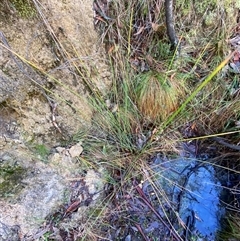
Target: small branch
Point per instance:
(169, 22)
(142, 233)
(224, 143)
(145, 200)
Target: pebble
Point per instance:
(76, 150)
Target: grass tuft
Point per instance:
(158, 95)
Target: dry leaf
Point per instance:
(158, 28)
(139, 31)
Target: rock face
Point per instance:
(51, 59)
(47, 64)
(6, 232)
(31, 190)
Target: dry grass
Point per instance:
(158, 95)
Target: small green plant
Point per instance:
(42, 151)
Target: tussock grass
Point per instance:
(158, 95)
(163, 99)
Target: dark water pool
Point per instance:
(194, 191)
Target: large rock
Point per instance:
(45, 62)
(64, 47)
(29, 189)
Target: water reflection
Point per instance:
(195, 192)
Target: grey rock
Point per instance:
(8, 233)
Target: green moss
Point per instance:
(204, 7)
(10, 180)
(42, 151)
(210, 18)
(24, 8)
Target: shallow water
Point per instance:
(201, 200)
(195, 192)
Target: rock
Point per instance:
(34, 190)
(94, 182)
(194, 191)
(21, 86)
(90, 194)
(27, 118)
(60, 150)
(7, 232)
(76, 150)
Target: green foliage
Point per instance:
(42, 151)
(117, 125)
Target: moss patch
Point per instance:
(10, 180)
(24, 8)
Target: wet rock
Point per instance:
(201, 203)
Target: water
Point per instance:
(202, 201)
(195, 192)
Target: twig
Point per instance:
(145, 200)
(224, 143)
(142, 233)
(53, 106)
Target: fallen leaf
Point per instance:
(73, 207)
(139, 31)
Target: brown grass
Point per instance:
(158, 95)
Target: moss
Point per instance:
(204, 7)
(24, 8)
(10, 180)
(210, 19)
(42, 151)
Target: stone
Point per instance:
(9, 231)
(76, 150)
